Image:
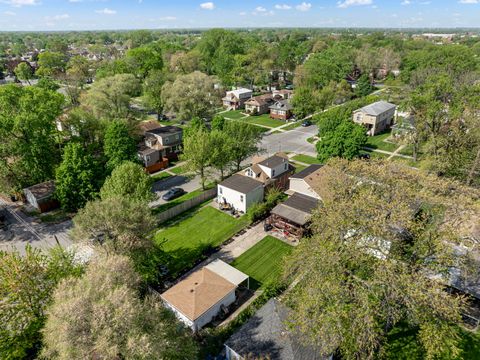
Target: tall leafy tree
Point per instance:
(27, 128)
(128, 180)
(23, 71)
(145, 59)
(244, 139)
(221, 157)
(381, 230)
(152, 91)
(345, 141)
(197, 150)
(364, 86)
(51, 64)
(27, 282)
(105, 307)
(118, 146)
(75, 178)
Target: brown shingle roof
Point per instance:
(42, 190)
(197, 293)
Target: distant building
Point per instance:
(235, 99)
(281, 110)
(41, 196)
(376, 117)
(259, 105)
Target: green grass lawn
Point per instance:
(179, 170)
(375, 155)
(177, 201)
(292, 126)
(298, 167)
(234, 115)
(264, 120)
(187, 238)
(160, 176)
(263, 262)
(306, 159)
(378, 142)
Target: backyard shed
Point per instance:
(40, 196)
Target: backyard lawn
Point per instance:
(186, 238)
(378, 142)
(264, 120)
(263, 262)
(306, 159)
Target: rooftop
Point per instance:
(42, 190)
(198, 292)
(282, 105)
(226, 271)
(240, 183)
(274, 161)
(297, 208)
(377, 108)
(165, 130)
(266, 335)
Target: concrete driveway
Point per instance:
(291, 141)
(162, 186)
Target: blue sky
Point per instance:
(159, 14)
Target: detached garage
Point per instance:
(204, 294)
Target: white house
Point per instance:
(376, 117)
(235, 99)
(240, 192)
(204, 294)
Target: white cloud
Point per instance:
(20, 3)
(61, 17)
(9, 13)
(168, 18)
(207, 6)
(468, 1)
(405, 2)
(260, 9)
(282, 7)
(106, 11)
(304, 6)
(347, 3)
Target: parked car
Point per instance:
(173, 193)
(364, 156)
(306, 123)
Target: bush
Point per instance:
(257, 212)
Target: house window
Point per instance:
(166, 140)
(241, 198)
(286, 165)
(148, 158)
(220, 190)
(273, 172)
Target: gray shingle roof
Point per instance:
(240, 183)
(164, 130)
(282, 105)
(377, 108)
(297, 208)
(273, 161)
(265, 334)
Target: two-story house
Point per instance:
(259, 105)
(161, 145)
(376, 117)
(235, 99)
(281, 110)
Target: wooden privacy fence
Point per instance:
(186, 205)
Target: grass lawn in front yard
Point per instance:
(378, 142)
(263, 262)
(161, 175)
(264, 120)
(179, 170)
(298, 167)
(292, 126)
(306, 159)
(234, 115)
(374, 154)
(186, 238)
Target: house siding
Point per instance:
(233, 197)
(301, 187)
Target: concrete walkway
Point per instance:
(389, 153)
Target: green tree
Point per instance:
(27, 282)
(24, 72)
(152, 91)
(221, 147)
(345, 141)
(145, 59)
(27, 126)
(78, 69)
(365, 269)
(128, 180)
(191, 95)
(47, 84)
(364, 86)
(244, 141)
(197, 151)
(51, 64)
(304, 102)
(118, 145)
(105, 306)
(110, 97)
(218, 122)
(75, 178)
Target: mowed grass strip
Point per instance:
(306, 159)
(186, 240)
(234, 115)
(264, 120)
(378, 142)
(263, 262)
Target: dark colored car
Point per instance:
(306, 123)
(173, 193)
(364, 156)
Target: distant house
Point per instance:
(259, 105)
(41, 196)
(376, 117)
(273, 171)
(160, 145)
(292, 217)
(240, 192)
(204, 294)
(281, 110)
(235, 99)
(266, 336)
(284, 94)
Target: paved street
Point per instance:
(291, 141)
(22, 230)
(162, 186)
